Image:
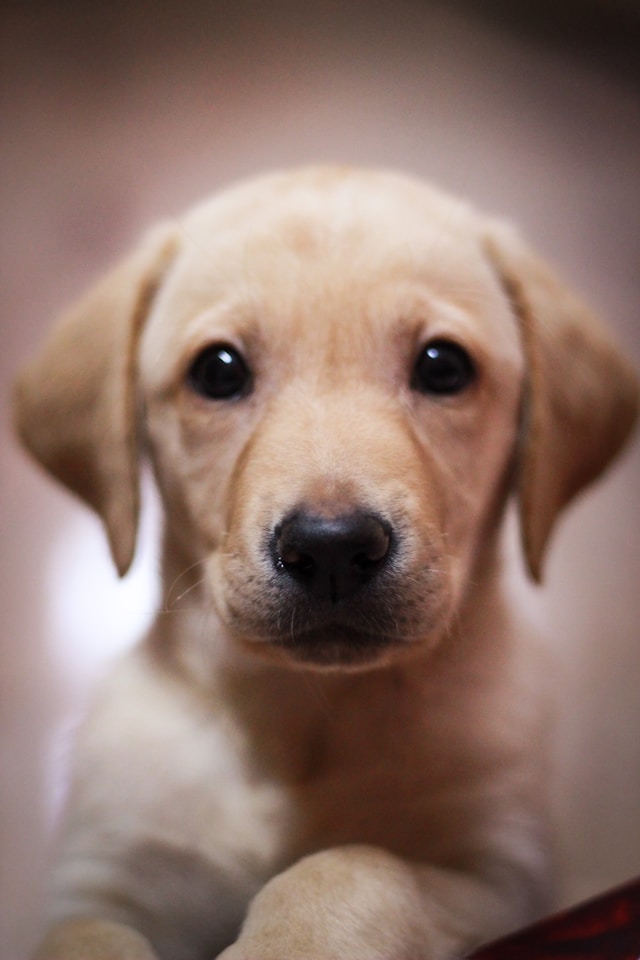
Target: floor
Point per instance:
(114, 115)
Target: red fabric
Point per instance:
(606, 928)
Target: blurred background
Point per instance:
(116, 114)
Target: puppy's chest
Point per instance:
(363, 780)
(278, 777)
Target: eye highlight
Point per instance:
(443, 368)
(219, 372)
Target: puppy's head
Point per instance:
(338, 376)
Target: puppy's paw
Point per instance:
(90, 939)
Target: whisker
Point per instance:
(170, 602)
(188, 590)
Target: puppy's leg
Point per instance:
(354, 902)
(87, 939)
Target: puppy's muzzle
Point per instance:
(331, 558)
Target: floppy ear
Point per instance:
(75, 403)
(581, 396)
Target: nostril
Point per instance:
(375, 543)
(288, 557)
(331, 557)
(364, 562)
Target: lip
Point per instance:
(336, 646)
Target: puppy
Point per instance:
(336, 744)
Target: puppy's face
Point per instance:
(332, 377)
(327, 368)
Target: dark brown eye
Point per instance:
(219, 372)
(443, 368)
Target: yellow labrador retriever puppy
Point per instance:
(335, 745)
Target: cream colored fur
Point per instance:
(243, 787)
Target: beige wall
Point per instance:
(116, 115)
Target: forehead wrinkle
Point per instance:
(316, 298)
(340, 271)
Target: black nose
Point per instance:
(331, 557)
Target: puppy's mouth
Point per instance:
(335, 646)
(333, 591)
(377, 624)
